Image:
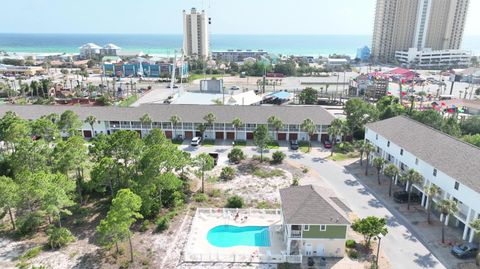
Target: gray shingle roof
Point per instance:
(307, 205)
(188, 113)
(450, 155)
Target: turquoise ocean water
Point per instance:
(314, 45)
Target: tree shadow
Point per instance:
(375, 203)
(296, 156)
(363, 191)
(221, 150)
(16, 251)
(352, 183)
(391, 221)
(89, 260)
(425, 261)
(409, 236)
(318, 160)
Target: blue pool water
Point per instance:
(225, 236)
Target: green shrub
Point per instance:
(31, 253)
(162, 223)
(145, 226)
(258, 158)
(350, 243)
(59, 237)
(228, 173)
(235, 202)
(240, 143)
(305, 170)
(215, 193)
(295, 181)
(265, 173)
(170, 215)
(29, 223)
(278, 157)
(200, 197)
(353, 254)
(22, 265)
(345, 147)
(236, 155)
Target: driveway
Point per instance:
(401, 245)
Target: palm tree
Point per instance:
(368, 148)
(309, 127)
(476, 226)
(379, 162)
(422, 95)
(360, 146)
(201, 128)
(410, 178)
(146, 120)
(276, 123)
(91, 121)
(236, 123)
(391, 171)
(210, 119)
(447, 208)
(336, 128)
(175, 120)
(430, 192)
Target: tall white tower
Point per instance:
(195, 34)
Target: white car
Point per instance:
(234, 88)
(196, 141)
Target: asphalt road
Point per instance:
(401, 245)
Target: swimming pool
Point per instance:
(225, 236)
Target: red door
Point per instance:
(293, 136)
(314, 137)
(87, 134)
(168, 134)
(282, 136)
(249, 136)
(230, 136)
(188, 134)
(219, 135)
(324, 137)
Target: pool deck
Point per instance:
(198, 249)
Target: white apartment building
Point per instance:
(404, 24)
(429, 58)
(195, 34)
(449, 163)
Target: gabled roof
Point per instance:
(308, 205)
(90, 46)
(111, 46)
(450, 155)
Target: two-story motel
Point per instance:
(111, 119)
(449, 163)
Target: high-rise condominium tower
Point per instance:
(403, 24)
(195, 34)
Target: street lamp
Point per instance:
(379, 237)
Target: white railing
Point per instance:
(249, 211)
(241, 258)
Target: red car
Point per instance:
(327, 144)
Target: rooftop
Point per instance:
(450, 155)
(310, 205)
(188, 113)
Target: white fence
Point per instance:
(195, 255)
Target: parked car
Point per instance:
(293, 144)
(401, 197)
(464, 251)
(327, 144)
(234, 88)
(196, 141)
(214, 156)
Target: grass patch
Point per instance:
(303, 146)
(31, 253)
(212, 179)
(273, 145)
(208, 142)
(201, 76)
(343, 156)
(240, 143)
(266, 173)
(129, 101)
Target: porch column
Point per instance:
(446, 220)
(289, 242)
(467, 221)
(472, 234)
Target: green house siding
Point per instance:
(332, 231)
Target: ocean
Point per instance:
(311, 45)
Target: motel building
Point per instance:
(112, 119)
(449, 163)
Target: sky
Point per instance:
(337, 17)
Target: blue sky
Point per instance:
(229, 16)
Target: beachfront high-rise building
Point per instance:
(404, 24)
(195, 34)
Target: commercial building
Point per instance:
(111, 119)
(404, 24)
(110, 50)
(314, 222)
(428, 58)
(442, 160)
(195, 34)
(143, 69)
(21, 70)
(238, 55)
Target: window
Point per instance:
(388, 144)
(323, 228)
(434, 172)
(457, 185)
(402, 166)
(416, 161)
(376, 136)
(401, 152)
(306, 228)
(378, 149)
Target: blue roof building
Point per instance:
(363, 54)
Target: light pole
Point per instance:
(379, 236)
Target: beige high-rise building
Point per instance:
(404, 24)
(195, 34)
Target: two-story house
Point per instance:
(314, 222)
